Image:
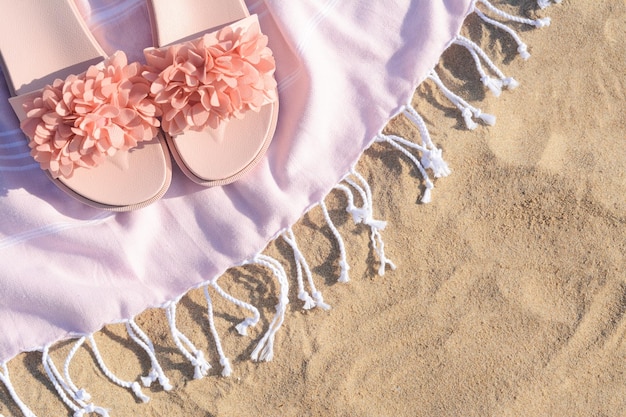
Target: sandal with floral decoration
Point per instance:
(90, 120)
(212, 74)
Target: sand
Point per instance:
(510, 294)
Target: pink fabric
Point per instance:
(343, 69)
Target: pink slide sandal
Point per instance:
(213, 76)
(91, 122)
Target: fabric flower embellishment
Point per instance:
(80, 121)
(208, 80)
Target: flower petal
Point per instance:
(205, 81)
(80, 121)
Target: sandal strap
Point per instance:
(82, 120)
(208, 80)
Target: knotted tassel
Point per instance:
(226, 368)
(242, 328)
(432, 159)
(200, 365)
(468, 112)
(493, 84)
(376, 226)
(62, 387)
(510, 83)
(343, 262)
(522, 49)
(133, 386)
(193, 355)
(156, 372)
(302, 266)
(264, 350)
(431, 155)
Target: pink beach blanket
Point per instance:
(343, 70)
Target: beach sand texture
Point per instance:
(509, 296)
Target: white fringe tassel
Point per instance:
(75, 403)
(468, 111)
(264, 350)
(431, 155)
(224, 361)
(80, 394)
(397, 142)
(343, 260)
(132, 385)
(522, 48)
(156, 372)
(494, 84)
(6, 380)
(365, 215)
(194, 355)
(316, 300)
(242, 328)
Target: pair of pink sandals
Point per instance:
(206, 96)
